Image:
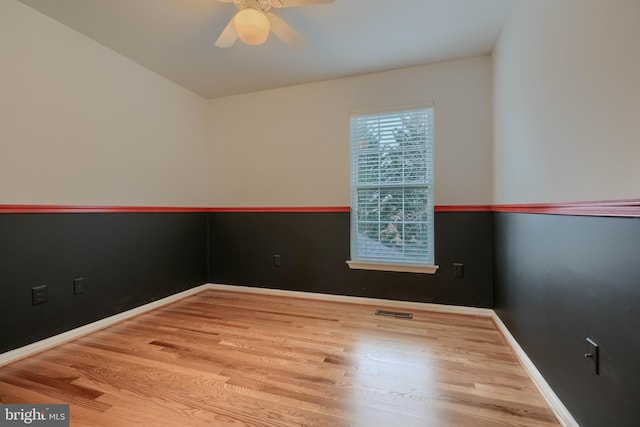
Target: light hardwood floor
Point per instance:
(235, 359)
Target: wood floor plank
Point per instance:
(227, 358)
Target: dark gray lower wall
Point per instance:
(314, 247)
(127, 259)
(553, 280)
(561, 279)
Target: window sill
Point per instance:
(359, 265)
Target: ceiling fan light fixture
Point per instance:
(252, 26)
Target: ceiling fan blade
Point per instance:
(228, 36)
(294, 3)
(285, 32)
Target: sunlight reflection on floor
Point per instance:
(384, 370)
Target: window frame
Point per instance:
(358, 261)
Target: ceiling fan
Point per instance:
(253, 22)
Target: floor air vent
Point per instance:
(394, 314)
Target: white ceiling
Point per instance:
(175, 38)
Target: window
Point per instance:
(392, 191)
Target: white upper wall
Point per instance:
(290, 146)
(567, 102)
(81, 124)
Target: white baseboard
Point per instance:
(556, 405)
(37, 347)
(558, 408)
(439, 308)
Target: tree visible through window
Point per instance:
(392, 187)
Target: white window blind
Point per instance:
(392, 187)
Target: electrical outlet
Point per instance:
(458, 270)
(276, 260)
(39, 295)
(78, 286)
(594, 355)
